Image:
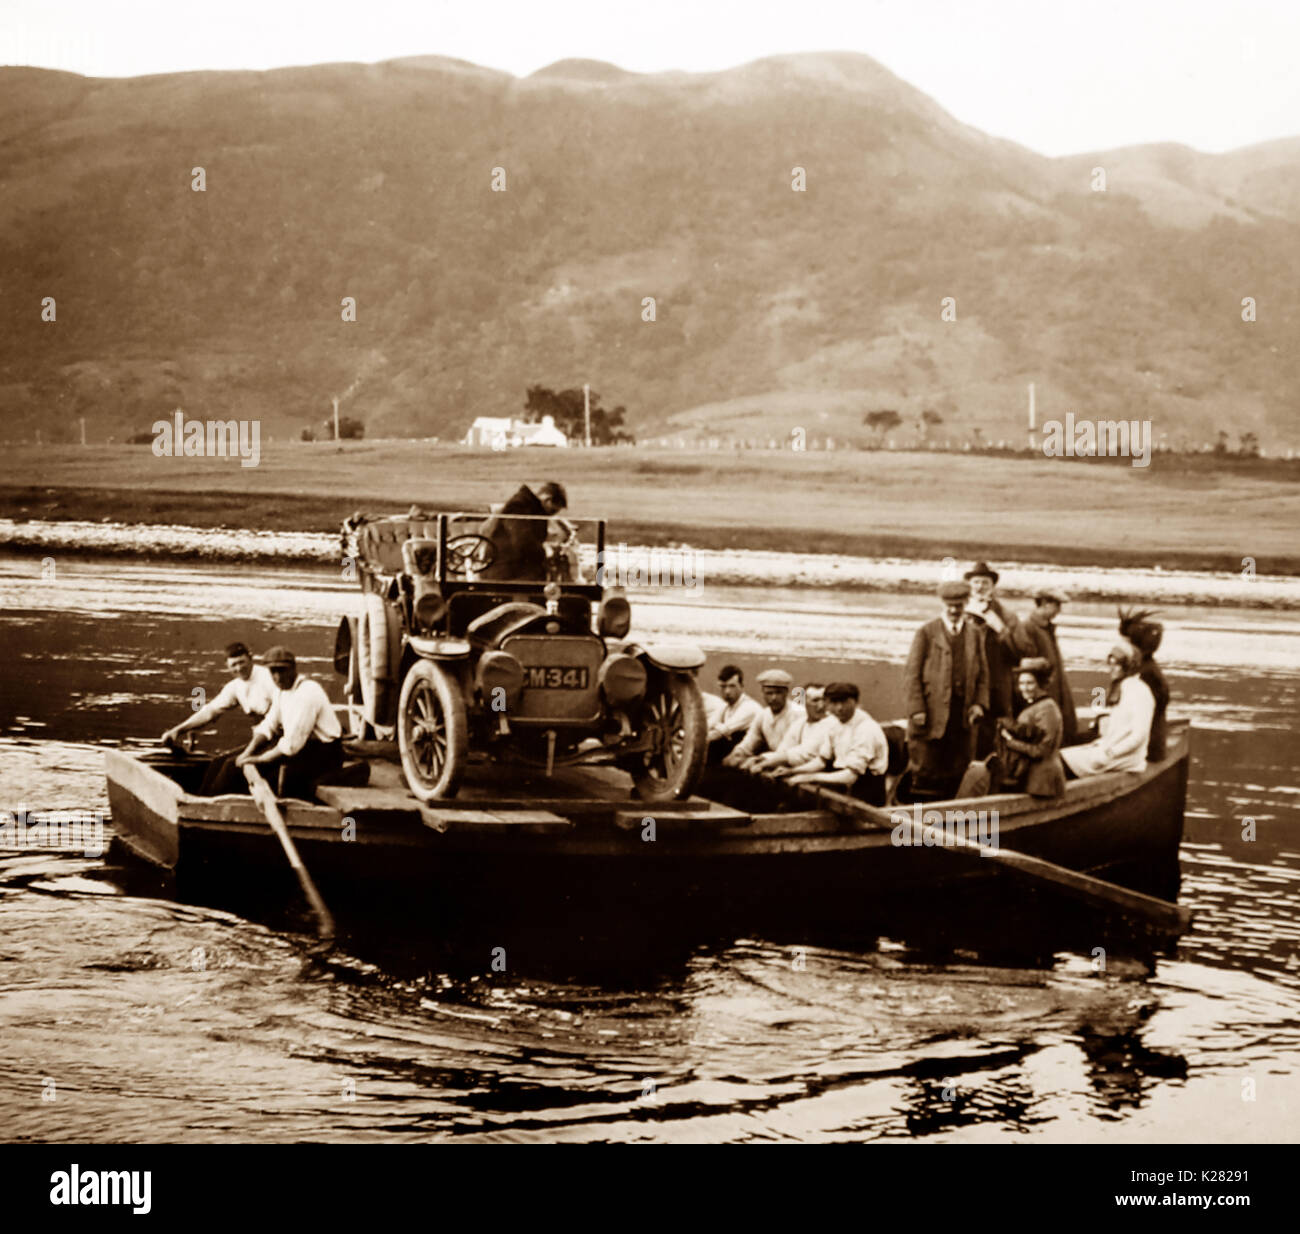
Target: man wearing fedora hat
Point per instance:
(946, 683)
(998, 626)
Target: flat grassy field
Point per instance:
(1178, 513)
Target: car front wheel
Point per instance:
(674, 718)
(432, 732)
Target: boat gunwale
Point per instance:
(843, 824)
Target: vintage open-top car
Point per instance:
(494, 635)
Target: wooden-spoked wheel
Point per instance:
(674, 718)
(432, 732)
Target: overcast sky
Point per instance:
(1060, 76)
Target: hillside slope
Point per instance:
(774, 308)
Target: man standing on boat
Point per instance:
(738, 713)
(1035, 638)
(946, 683)
(310, 738)
(854, 755)
(998, 626)
(250, 688)
(779, 724)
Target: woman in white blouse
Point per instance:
(1125, 729)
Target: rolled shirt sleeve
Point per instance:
(227, 698)
(769, 732)
(297, 724)
(754, 738)
(736, 718)
(794, 734)
(859, 746)
(307, 713)
(271, 725)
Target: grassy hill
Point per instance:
(775, 309)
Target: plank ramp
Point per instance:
(374, 802)
(550, 814)
(695, 815)
(536, 822)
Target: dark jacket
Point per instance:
(1037, 637)
(1045, 776)
(928, 675)
(1000, 651)
(520, 546)
(1156, 683)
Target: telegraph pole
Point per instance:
(1032, 419)
(586, 410)
(336, 417)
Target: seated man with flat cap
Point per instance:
(301, 733)
(852, 757)
(798, 748)
(946, 684)
(778, 725)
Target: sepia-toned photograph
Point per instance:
(685, 574)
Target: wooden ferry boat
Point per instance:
(578, 834)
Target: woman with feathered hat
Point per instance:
(1126, 729)
(1136, 626)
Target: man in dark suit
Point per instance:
(519, 543)
(998, 626)
(1035, 638)
(946, 684)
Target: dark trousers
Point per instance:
(720, 747)
(869, 788)
(301, 771)
(939, 764)
(986, 732)
(760, 794)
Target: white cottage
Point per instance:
(503, 433)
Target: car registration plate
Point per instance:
(557, 678)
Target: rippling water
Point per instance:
(127, 1015)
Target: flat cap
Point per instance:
(279, 655)
(1051, 593)
(1034, 664)
(775, 677)
(954, 590)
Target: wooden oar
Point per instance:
(1161, 914)
(262, 794)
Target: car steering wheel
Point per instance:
(470, 552)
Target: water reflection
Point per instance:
(1007, 1014)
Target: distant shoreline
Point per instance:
(897, 506)
(712, 566)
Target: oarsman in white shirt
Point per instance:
(739, 712)
(852, 757)
(779, 723)
(300, 732)
(801, 744)
(250, 688)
